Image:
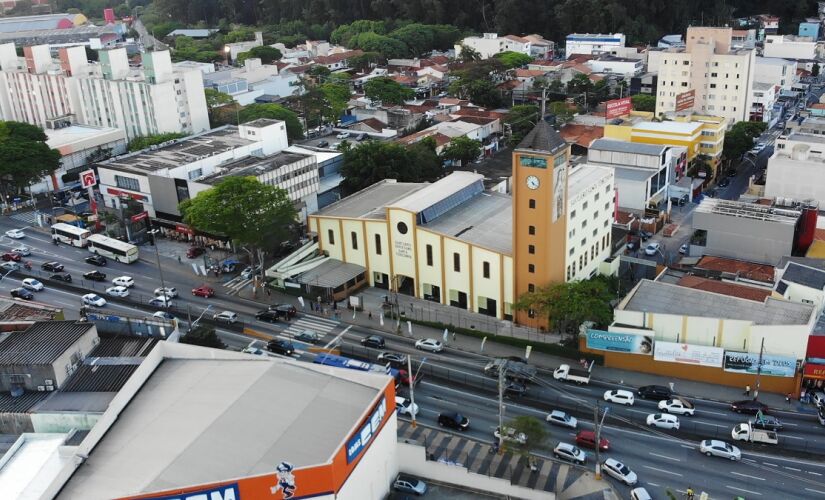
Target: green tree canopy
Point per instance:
(469, 54)
(561, 110)
(145, 141)
(387, 46)
(203, 335)
(462, 150)
(265, 53)
(336, 99)
(512, 59)
(568, 305)
(644, 102)
(477, 81)
(24, 156)
(343, 34)
(294, 129)
(365, 61)
(387, 90)
(521, 118)
(534, 429)
(373, 161)
(739, 139)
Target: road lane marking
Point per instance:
(714, 413)
(793, 469)
(663, 456)
(706, 423)
(662, 470)
(686, 446)
(772, 465)
(745, 475)
(746, 491)
(639, 411)
(653, 484)
(814, 473)
(815, 491)
(794, 437)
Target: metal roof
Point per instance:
(486, 221)
(42, 343)
(330, 274)
(748, 210)
(371, 202)
(804, 275)
(627, 147)
(431, 194)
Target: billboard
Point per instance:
(618, 107)
(699, 355)
(359, 441)
(746, 362)
(685, 100)
(619, 342)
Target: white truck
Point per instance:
(577, 375)
(746, 432)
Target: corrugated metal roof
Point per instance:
(804, 275)
(330, 274)
(99, 378)
(21, 404)
(41, 343)
(627, 147)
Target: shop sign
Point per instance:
(672, 352)
(359, 441)
(183, 229)
(139, 217)
(814, 371)
(618, 107)
(747, 362)
(225, 492)
(619, 342)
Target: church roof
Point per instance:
(543, 138)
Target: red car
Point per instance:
(193, 252)
(404, 378)
(203, 291)
(11, 256)
(587, 439)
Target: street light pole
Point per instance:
(195, 323)
(501, 375)
(153, 232)
(759, 369)
(412, 380)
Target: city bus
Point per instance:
(400, 376)
(70, 235)
(113, 249)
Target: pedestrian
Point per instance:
(788, 398)
(370, 315)
(453, 336)
(178, 259)
(268, 292)
(747, 390)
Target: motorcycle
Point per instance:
(27, 265)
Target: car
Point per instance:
(94, 276)
(15, 234)
(193, 252)
(169, 291)
(725, 182)
(33, 284)
(751, 406)
(226, 317)
(766, 422)
(567, 451)
(677, 406)
(22, 293)
(619, 471)
(342, 135)
(652, 248)
(662, 421)
(308, 336)
(454, 420)
(360, 137)
(161, 301)
(393, 358)
(286, 311)
(10, 266)
(374, 341)
(267, 315)
(164, 315)
(126, 281)
(280, 346)
(51, 266)
(510, 435)
(322, 144)
(514, 388)
(204, 291)
(658, 392)
(760, 146)
(12, 256)
(645, 235)
(405, 407)
(117, 291)
(819, 398)
(22, 250)
(431, 345)
(558, 417)
(250, 271)
(96, 260)
(640, 494)
(632, 244)
(92, 299)
(684, 249)
(717, 448)
(408, 484)
(65, 277)
(587, 439)
(619, 396)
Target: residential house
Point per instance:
(764, 107)
(790, 47)
(616, 65)
(336, 62)
(590, 43)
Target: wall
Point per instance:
(332, 247)
(458, 281)
(798, 179)
(403, 246)
(378, 263)
(745, 239)
(431, 274)
(63, 422)
(377, 468)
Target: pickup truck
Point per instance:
(577, 375)
(746, 432)
(515, 370)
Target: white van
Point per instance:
(640, 494)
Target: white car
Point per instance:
(163, 315)
(431, 345)
(405, 406)
(33, 284)
(126, 281)
(22, 250)
(561, 418)
(15, 234)
(226, 317)
(684, 249)
(619, 471)
(117, 291)
(640, 494)
(819, 398)
(569, 452)
(161, 301)
(342, 135)
(662, 421)
(92, 299)
(652, 248)
(677, 406)
(620, 396)
(716, 448)
(249, 272)
(511, 435)
(169, 291)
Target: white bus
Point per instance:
(113, 249)
(70, 235)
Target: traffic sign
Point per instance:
(88, 178)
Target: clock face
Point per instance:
(532, 182)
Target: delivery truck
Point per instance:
(746, 432)
(577, 375)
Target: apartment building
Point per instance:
(790, 47)
(763, 108)
(593, 43)
(490, 44)
(796, 169)
(720, 75)
(776, 71)
(589, 220)
(49, 93)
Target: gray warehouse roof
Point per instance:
(627, 147)
(666, 298)
(486, 220)
(804, 275)
(42, 343)
(371, 202)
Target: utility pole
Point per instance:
(759, 369)
(501, 375)
(167, 298)
(411, 378)
(598, 429)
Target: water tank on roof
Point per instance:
(800, 152)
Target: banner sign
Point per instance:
(618, 107)
(359, 441)
(619, 342)
(685, 100)
(747, 362)
(689, 354)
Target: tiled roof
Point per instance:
(745, 269)
(529, 73)
(483, 113)
(42, 343)
(581, 135)
(336, 58)
(510, 85)
(725, 288)
(374, 123)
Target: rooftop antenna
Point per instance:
(543, 101)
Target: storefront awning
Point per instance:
(814, 371)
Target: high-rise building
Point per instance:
(720, 76)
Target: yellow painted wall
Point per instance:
(618, 132)
(429, 274)
(333, 248)
(402, 245)
(486, 287)
(378, 263)
(457, 280)
(507, 262)
(356, 254)
(816, 250)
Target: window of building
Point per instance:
(531, 229)
(572, 251)
(596, 197)
(127, 183)
(485, 269)
(713, 85)
(531, 249)
(568, 272)
(713, 75)
(531, 287)
(195, 173)
(430, 255)
(531, 268)
(572, 214)
(686, 63)
(584, 223)
(354, 237)
(377, 244)
(532, 203)
(331, 236)
(456, 262)
(684, 84)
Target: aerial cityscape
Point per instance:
(396, 249)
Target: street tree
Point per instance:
(294, 129)
(24, 156)
(739, 139)
(366, 61)
(644, 102)
(521, 118)
(562, 111)
(387, 90)
(146, 141)
(336, 99)
(462, 150)
(265, 53)
(216, 99)
(373, 161)
(512, 59)
(203, 335)
(534, 429)
(469, 54)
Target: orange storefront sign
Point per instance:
(814, 371)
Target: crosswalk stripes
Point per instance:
(26, 217)
(237, 284)
(320, 326)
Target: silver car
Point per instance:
(557, 417)
(716, 448)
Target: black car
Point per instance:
(61, 277)
(767, 422)
(645, 235)
(53, 266)
(22, 293)
(280, 346)
(724, 183)
(97, 260)
(751, 406)
(514, 388)
(94, 276)
(633, 244)
(286, 311)
(267, 315)
(307, 336)
(374, 341)
(454, 420)
(395, 359)
(323, 144)
(657, 392)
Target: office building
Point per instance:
(790, 47)
(796, 170)
(490, 44)
(592, 43)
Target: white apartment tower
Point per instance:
(721, 76)
(156, 98)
